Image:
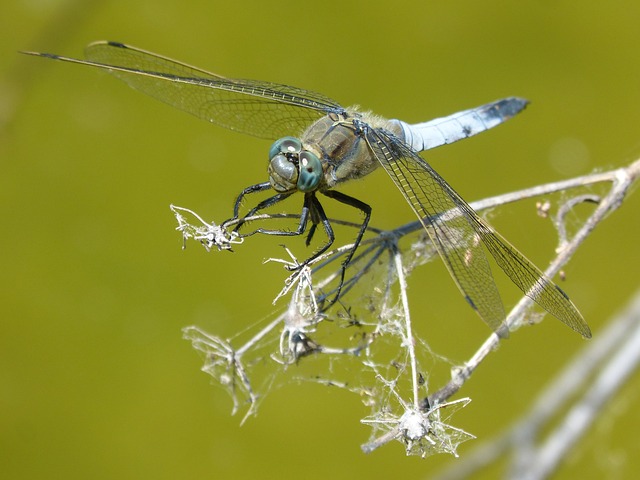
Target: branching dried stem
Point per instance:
(598, 371)
(621, 180)
(373, 303)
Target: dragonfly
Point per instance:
(319, 145)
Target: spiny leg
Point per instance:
(311, 207)
(261, 206)
(259, 187)
(318, 217)
(364, 208)
(302, 225)
(312, 230)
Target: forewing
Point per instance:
(262, 109)
(458, 233)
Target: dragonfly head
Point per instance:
(292, 167)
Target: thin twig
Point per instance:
(411, 344)
(621, 180)
(615, 353)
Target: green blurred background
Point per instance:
(95, 380)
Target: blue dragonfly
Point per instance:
(333, 145)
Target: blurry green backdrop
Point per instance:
(95, 380)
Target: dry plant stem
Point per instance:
(411, 345)
(615, 352)
(621, 180)
(550, 454)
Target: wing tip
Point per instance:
(584, 330)
(115, 44)
(40, 54)
(576, 324)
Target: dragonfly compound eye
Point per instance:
(310, 171)
(283, 173)
(285, 145)
(283, 161)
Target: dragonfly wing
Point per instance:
(442, 131)
(262, 109)
(130, 57)
(445, 221)
(528, 278)
(459, 233)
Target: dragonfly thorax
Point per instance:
(292, 167)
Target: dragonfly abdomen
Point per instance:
(445, 130)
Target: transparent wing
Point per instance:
(459, 233)
(262, 109)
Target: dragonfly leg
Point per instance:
(302, 225)
(261, 206)
(312, 230)
(310, 209)
(366, 210)
(318, 217)
(259, 187)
